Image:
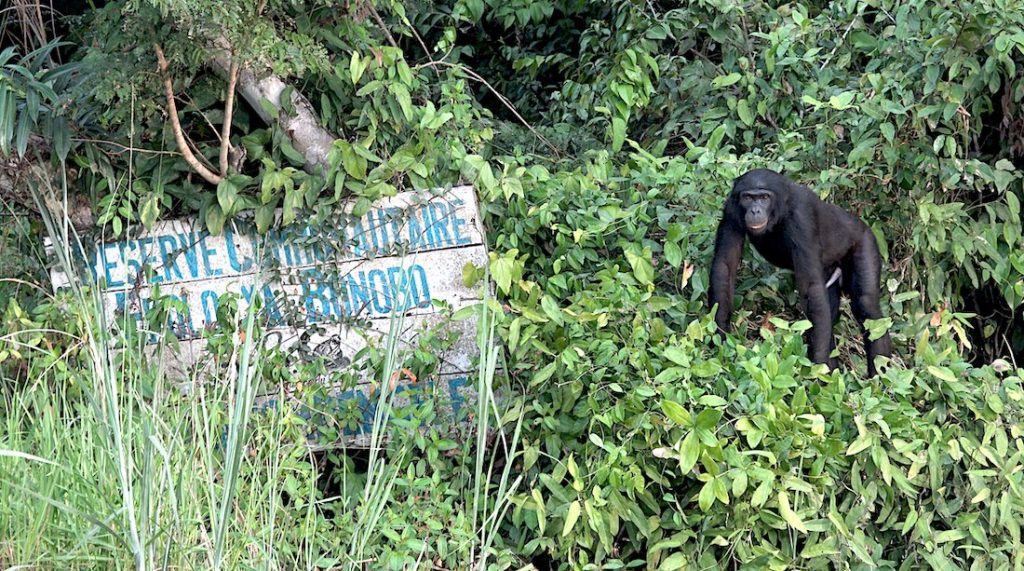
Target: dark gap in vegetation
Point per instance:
(997, 329)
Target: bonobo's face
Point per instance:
(757, 206)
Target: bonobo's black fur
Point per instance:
(829, 250)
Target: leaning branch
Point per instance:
(229, 107)
(303, 128)
(179, 136)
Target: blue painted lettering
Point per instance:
(270, 305)
(379, 305)
(207, 253)
(168, 244)
(188, 242)
(134, 268)
(457, 223)
(109, 265)
(209, 300)
(440, 223)
(415, 231)
(428, 226)
(456, 396)
(236, 264)
(358, 292)
(418, 281)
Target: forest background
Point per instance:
(602, 138)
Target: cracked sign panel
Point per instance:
(325, 290)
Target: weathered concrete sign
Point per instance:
(324, 290)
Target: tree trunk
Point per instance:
(303, 128)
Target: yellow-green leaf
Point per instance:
(788, 514)
(571, 518)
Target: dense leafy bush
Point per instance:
(651, 442)
(602, 138)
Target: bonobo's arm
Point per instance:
(803, 238)
(728, 250)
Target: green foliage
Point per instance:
(37, 98)
(648, 442)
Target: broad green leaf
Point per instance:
(544, 374)
(292, 202)
(760, 495)
(857, 545)
(823, 548)
(227, 196)
(888, 131)
(541, 510)
(739, 483)
(673, 254)
(715, 140)
(788, 514)
(353, 163)
(150, 210)
(676, 562)
(264, 218)
(841, 101)
(982, 496)
(513, 333)
(743, 111)
(950, 535)
(721, 491)
(502, 268)
(641, 264)
(708, 419)
(571, 518)
(712, 401)
(551, 309)
(361, 206)
(356, 67)
(677, 356)
(909, 523)
(942, 373)
(689, 452)
(1013, 203)
(675, 412)
(269, 108)
(215, 220)
(404, 99)
(618, 133)
(706, 498)
(859, 445)
(725, 80)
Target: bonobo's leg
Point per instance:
(833, 303)
(728, 250)
(814, 300)
(865, 284)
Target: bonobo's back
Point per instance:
(839, 230)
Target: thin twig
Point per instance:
(199, 111)
(508, 104)
(124, 148)
(426, 50)
(179, 137)
(380, 24)
(229, 107)
(840, 42)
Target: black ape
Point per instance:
(829, 250)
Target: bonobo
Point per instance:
(830, 250)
